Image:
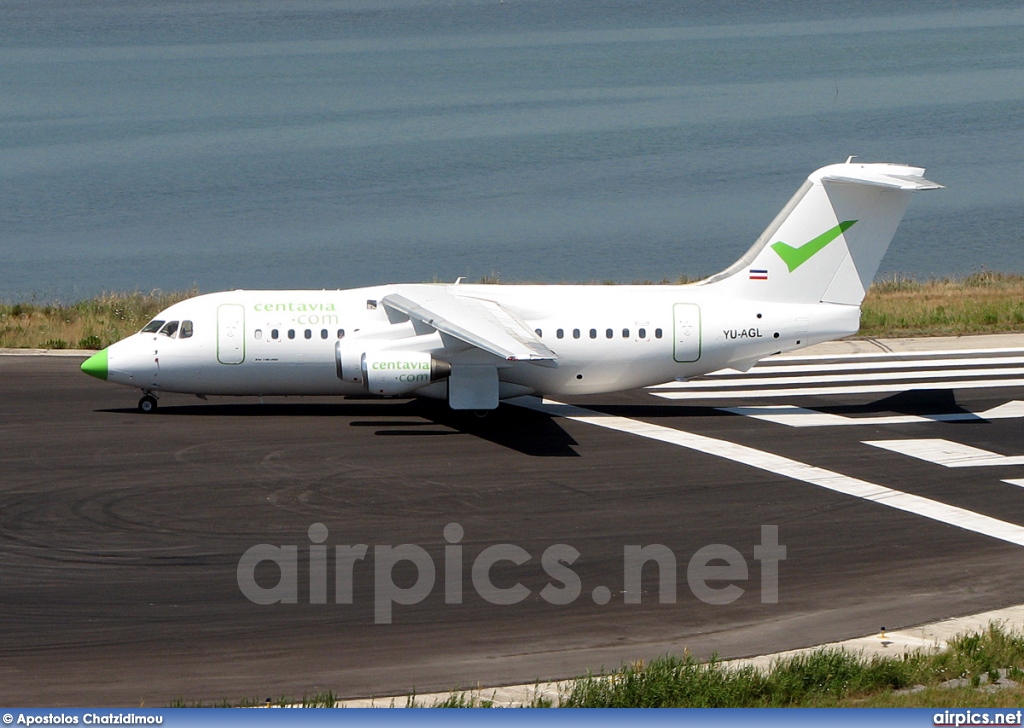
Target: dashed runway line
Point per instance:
(793, 416)
(946, 453)
(831, 391)
(863, 373)
(886, 376)
(789, 468)
(779, 366)
(895, 355)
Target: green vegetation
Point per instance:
(980, 669)
(826, 677)
(981, 303)
(91, 324)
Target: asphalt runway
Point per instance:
(121, 534)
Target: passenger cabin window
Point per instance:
(593, 333)
(560, 334)
(258, 334)
(609, 334)
(323, 333)
(625, 333)
(152, 327)
(275, 334)
(657, 333)
(308, 334)
(539, 333)
(291, 333)
(169, 329)
(186, 330)
(575, 333)
(642, 333)
(371, 305)
(341, 333)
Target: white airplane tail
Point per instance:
(828, 241)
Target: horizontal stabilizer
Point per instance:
(478, 322)
(872, 177)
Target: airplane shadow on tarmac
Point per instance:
(920, 402)
(525, 431)
(538, 434)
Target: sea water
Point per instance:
(319, 144)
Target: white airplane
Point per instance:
(801, 283)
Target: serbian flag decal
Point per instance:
(758, 275)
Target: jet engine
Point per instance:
(390, 372)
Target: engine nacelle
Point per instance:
(401, 372)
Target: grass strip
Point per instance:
(978, 669)
(966, 672)
(981, 303)
(94, 323)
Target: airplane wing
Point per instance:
(478, 322)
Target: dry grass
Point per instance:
(980, 303)
(91, 324)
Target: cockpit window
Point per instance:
(169, 328)
(186, 330)
(152, 327)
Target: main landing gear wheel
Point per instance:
(147, 404)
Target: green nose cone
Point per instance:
(96, 365)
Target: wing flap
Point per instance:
(479, 322)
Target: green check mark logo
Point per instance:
(796, 257)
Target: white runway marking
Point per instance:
(946, 453)
(792, 416)
(840, 378)
(786, 467)
(779, 367)
(823, 391)
(789, 377)
(894, 355)
(1015, 481)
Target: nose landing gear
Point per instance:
(147, 404)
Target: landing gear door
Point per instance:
(687, 332)
(473, 387)
(230, 333)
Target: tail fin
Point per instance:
(828, 241)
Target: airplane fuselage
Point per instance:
(607, 338)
